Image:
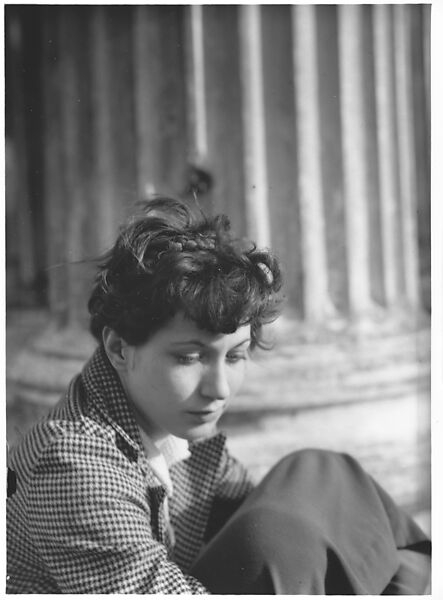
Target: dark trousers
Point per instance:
(317, 524)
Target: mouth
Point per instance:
(204, 415)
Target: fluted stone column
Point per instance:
(355, 159)
(316, 298)
(255, 166)
(384, 92)
(196, 85)
(406, 148)
(306, 120)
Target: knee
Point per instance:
(300, 470)
(320, 458)
(271, 531)
(311, 467)
(311, 456)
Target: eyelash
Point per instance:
(187, 359)
(234, 358)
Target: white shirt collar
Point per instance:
(163, 455)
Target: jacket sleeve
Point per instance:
(233, 486)
(91, 523)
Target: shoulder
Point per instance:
(82, 457)
(84, 483)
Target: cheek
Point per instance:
(177, 383)
(185, 380)
(237, 377)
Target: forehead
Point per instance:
(180, 330)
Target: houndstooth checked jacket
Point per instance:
(87, 514)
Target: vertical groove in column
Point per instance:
(256, 183)
(316, 299)
(407, 179)
(101, 69)
(224, 114)
(354, 157)
(75, 134)
(426, 33)
(386, 148)
(422, 146)
(195, 63)
(69, 130)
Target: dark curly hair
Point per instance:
(173, 258)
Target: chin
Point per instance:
(201, 432)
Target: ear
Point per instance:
(116, 349)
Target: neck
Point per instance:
(155, 434)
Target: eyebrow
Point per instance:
(201, 344)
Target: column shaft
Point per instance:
(387, 163)
(105, 189)
(16, 155)
(354, 158)
(196, 93)
(407, 159)
(316, 301)
(256, 183)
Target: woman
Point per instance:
(127, 487)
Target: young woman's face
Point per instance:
(181, 380)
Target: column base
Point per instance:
(365, 394)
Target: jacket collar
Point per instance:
(105, 392)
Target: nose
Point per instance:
(215, 384)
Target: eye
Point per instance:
(236, 357)
(187, 359)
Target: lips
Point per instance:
(204, 415)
